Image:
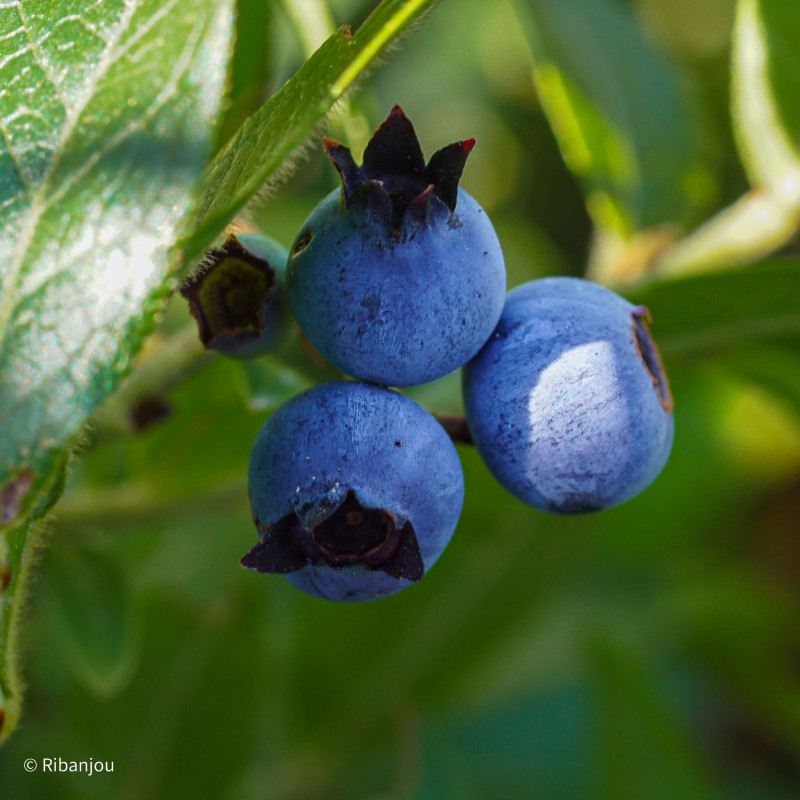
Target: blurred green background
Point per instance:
(651, 651)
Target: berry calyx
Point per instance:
(237, 299)
(394, 180)
(352, 534)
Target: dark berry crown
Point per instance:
(394, 179)
(227, 297)
(345, 536)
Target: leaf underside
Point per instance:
(106, 124)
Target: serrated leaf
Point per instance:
(622, 122)
(704, 313)
(107, 118)
(269, 137)
(766, 95)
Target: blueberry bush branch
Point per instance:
(764, 114)
(104, 143)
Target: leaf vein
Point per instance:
(37, 207)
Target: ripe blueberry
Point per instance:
(568, 402)
(355, 491)
(398, 278)
(238, 298)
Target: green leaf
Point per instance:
(766, 95)
(699, 314)
(105, 125)
(107, 120)
(765, 100)
(272, 134)
(642, 749)
(533, 747)
(621, 120)
(93, 617)
(740, 624)
(269, 382)
(772, 368)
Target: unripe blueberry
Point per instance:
(398, 278)
(568, 402)
(355, 491)
(238, 299)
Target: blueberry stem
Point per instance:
(456, 428)
(167, 363)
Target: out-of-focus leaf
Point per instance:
(269, 382)
(264, 143)
(775, 369)
(641, 748)
(217, 721)
(766, 95)
(765, 99)
(744, 632)
(531, 749)
(295, 366)
(698, 314)
(624, 126)
(199, 451)
(94, 617)
(107, 123)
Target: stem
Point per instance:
(131, 502)
(16, 555)
(752, 228)
(166, 363)
(456, 428)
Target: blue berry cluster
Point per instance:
(398, 279)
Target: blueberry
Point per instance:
(568, 402)
(238, 299)
(355, 491)
(398, 278)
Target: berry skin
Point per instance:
(398, 278)
(355, 491)
(568, 403)
(238, 298)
